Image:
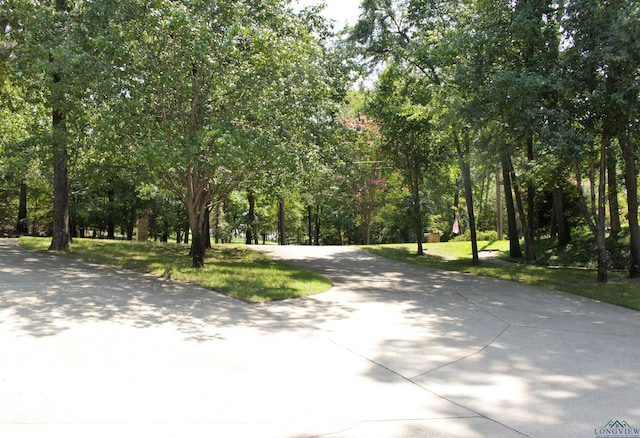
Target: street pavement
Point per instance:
(392, 350)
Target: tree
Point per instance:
(214, 85)
(407, 139)
(61, 236)
(54, 60)
(364, 172)
(601, 63)
(417, 34)
(519, 42)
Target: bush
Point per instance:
(480, 235)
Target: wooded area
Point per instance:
(218, 119)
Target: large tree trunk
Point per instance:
(197, 208)
(61, 237)
(199, 236)
(197, 248)
(60, 228)
(514, 242)
(631, 181)
(22, 227)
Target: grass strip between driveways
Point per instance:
(456, 256)
(235, 271)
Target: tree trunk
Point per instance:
(528, 239)
(417, 211)
(282, 227)
(111, 226)
(164, 237)
(468, 194)
(414, 184)
(366, 233)
(22, 226)
(514, 242)
(216, 223)
(309, 226)
(316, 231)
(60, 227)
(197, 209)
(197, 248)
(499, 227)
(419, 229)
(206, 228)
(612, 189)
(559, 218)
(530, 225)
(631, 181)
(463, 156)
(199, 237)
(251, 234)
(601, 212)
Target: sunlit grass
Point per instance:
(232, 270)
(456, 256)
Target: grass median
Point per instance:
(456, 256)
(233, 270)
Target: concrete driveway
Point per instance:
(391, 351)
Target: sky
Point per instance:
(341, 11)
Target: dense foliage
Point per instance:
(233, 119)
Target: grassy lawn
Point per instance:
(233, 270)
(456, 256)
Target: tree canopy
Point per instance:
(117, 110)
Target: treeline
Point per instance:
(233, 118)
(545, 92)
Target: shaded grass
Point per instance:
(456, 256)
(234, 271)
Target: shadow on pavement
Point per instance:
(49, 292)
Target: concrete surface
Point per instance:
(391, 351)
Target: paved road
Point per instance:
(391, 351)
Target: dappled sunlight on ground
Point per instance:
(391, 350)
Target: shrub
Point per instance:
(480, 235)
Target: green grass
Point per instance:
(456, 256)
(232, 270)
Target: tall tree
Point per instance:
(407, 138)
(53, 53)
(365, 167)
(417, 34)
(61, 237)
(215, 84)
(521, 41)
(601, 64)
